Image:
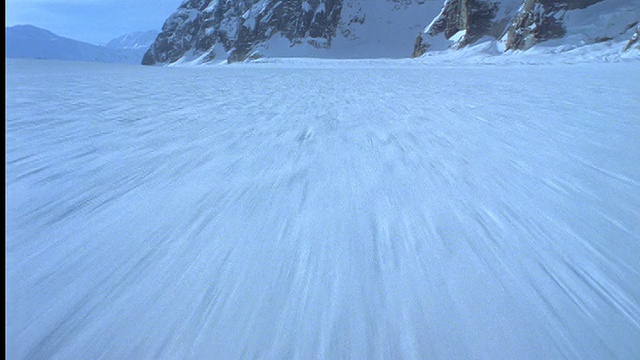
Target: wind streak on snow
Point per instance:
(274, 212)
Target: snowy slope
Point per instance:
(26, 41)
(611, 19)
(202, 31)
(347, 209)
(139, 40)
(369, 29)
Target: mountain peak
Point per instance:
(29, 30)
(136, 40)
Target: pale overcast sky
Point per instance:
(93, 21)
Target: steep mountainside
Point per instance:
(234, 30)
(202, 31)
(26, 41)
(521, 24)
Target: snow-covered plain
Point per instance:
(356, 209)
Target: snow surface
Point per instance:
(491, 52)
(331, 209)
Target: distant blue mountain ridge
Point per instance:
(27, 41)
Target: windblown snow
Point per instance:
(359, 209)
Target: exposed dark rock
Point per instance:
(470, 20)
(420, 48)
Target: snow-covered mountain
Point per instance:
(234, 30)
(26, 41)
(521, 24)
(139, 40)
(202, 31)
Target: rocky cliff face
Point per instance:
(463, 22)
(635, 39)
(521, 24)
(210, 28)
(235, 30)
(541, 20)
